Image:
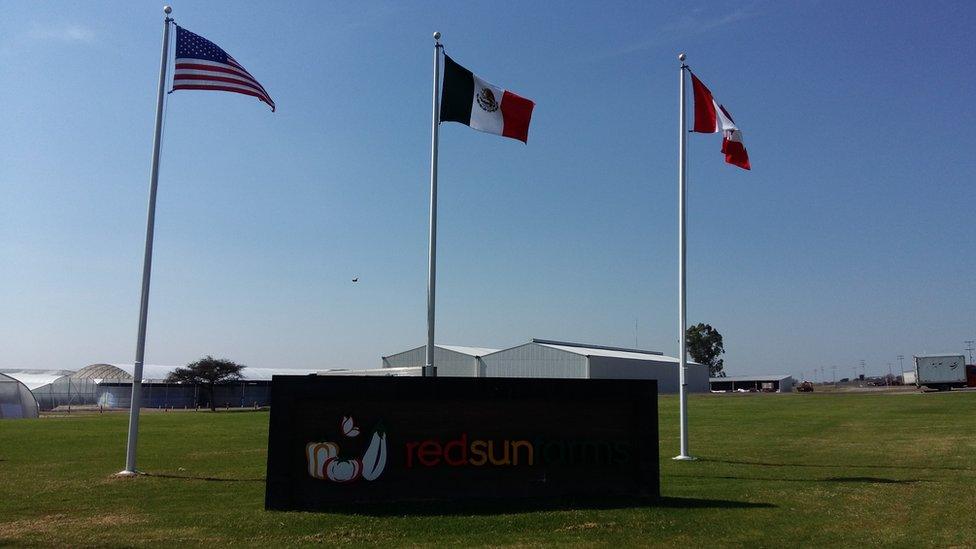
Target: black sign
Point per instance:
(337, 440)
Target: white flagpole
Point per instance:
(130, 451)
(682, 270)
(430, 370)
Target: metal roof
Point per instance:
(749, 378)
(590, 346)
(471, 351)
(607, 352)
(464, 350)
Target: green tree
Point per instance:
(705, 346)
(208, 371)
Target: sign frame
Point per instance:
(336, 442)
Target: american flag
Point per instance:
(203, 65)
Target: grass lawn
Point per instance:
(839, 469)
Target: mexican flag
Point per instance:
(468, 99)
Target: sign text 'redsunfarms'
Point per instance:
(478, 452)
(339, 441)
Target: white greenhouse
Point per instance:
(16, 400)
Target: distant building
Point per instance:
(542, 358)
(775, 384)
(110, 386)
(450, 360)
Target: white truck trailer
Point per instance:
(940, 372)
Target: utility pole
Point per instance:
(823, 380)
(901, 363)
(888, 381)
(864, 372)
(970, 348)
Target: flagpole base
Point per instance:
(684, 458)
(127, 473)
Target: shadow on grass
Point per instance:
(208, 479)
(834, 466)
(865, 480)
(510, 506)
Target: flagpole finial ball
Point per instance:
(437, 35)
(167, 10)
(682, 57)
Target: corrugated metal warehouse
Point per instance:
(557, 359)
(451, 360)
(546, 358)
(775, 384)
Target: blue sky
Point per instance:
(851, 239)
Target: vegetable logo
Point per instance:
(324, 461)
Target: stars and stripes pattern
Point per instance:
(203, 65)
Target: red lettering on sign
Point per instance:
(429, 453)
(410, 447)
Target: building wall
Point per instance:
(666, 373)
(449, 363)
(413, 371)
(534, 360)
(171, 395)
(786, 385)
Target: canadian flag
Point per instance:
(711, 117)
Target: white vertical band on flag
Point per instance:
(486, 107)
(722, 120)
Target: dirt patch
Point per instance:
(587, 526)
(347, 535)
(52, 523)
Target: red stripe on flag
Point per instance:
(215, 68)
(516, 113)
(735, 153)
(238, 81)
(226, 89)
(706, 119)
(234, 62)
(224, 69)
